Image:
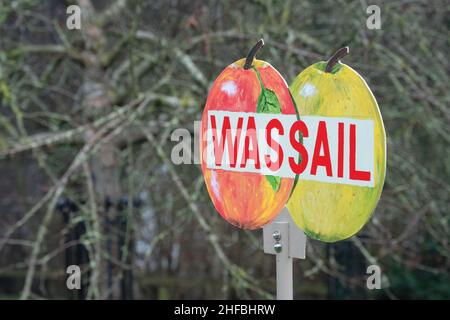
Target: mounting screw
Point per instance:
(277, 247)
(276, 235)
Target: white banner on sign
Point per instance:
(334, 150)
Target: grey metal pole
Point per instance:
(284, 239)
(284, 261)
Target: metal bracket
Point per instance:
(296, 246)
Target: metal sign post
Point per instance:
(284, 239)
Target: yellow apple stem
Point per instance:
(342, 52)
(252, 53)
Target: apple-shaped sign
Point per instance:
(344, 175)
(247, 200)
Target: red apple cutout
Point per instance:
(245, 199)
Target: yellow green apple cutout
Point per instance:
(353, 162)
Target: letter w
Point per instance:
(270, 309)
(219, 144)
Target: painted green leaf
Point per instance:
(275, 182)
(268, 103)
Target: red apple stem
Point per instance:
(252, 53)
(342, 52)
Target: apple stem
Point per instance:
(252, 53)
(342, 52)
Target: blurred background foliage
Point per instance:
(85, 125)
